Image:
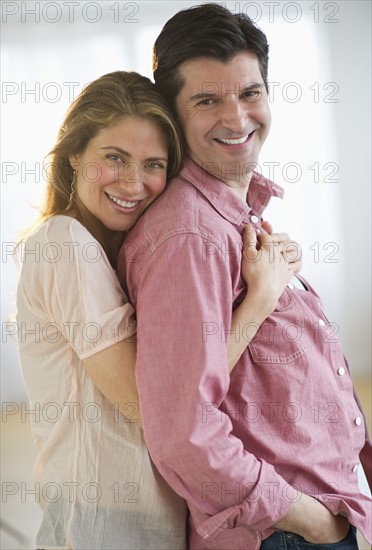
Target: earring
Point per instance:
(72, 193)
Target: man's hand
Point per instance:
(336, 529)
(291, 250)
(310, 519)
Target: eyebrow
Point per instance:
(125, 153)
(208, 95)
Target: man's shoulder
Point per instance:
(173, 209)
(180, 209)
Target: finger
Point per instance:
(291, 251)
(290, 254)
(264, 239)
(293, 259)
(269, 247)
(296, 266)
(249, 243)
(281, 238)
(249, 236)
(267, 227)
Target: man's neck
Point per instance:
(240, 191)
(238, 184)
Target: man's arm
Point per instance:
(183, 380)
(113, 369)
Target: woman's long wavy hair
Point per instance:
(102, 103)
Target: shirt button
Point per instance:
(341, 371)
(356, 468)
(322, 323)
(290, 285)
(254, 219)
(358, 421)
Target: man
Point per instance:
(267, 457)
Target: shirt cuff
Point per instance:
(240, 515)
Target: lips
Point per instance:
(123, 203)
(233, 141)
(235, 144)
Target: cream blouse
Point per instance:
(93, 476)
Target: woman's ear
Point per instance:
(74, 161)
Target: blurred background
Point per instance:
(318, 150)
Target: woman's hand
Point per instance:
(266, 269)
(290, 249)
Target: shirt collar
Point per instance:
(223, 200)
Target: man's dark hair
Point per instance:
(207, 30)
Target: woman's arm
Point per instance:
(266, 272)
(113, 373)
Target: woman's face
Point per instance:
(122, 171)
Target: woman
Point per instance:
(97, 485)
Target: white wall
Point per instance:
(320, 139)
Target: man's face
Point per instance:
(224, 112)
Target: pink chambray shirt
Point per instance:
(238, 448)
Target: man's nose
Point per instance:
(233, 115)
(131, 179)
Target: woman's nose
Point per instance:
(131, 178)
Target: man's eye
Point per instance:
(252, 95)
(205, 102)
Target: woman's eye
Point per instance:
(114, 157)
(156, 165)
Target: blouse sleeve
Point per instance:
(67, 281)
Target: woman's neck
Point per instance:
(109, 240)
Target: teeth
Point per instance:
(234, 141)
(125, 204)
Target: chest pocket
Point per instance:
(281, 338)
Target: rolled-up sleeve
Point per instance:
(184, 301)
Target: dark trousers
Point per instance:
(282, 540)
